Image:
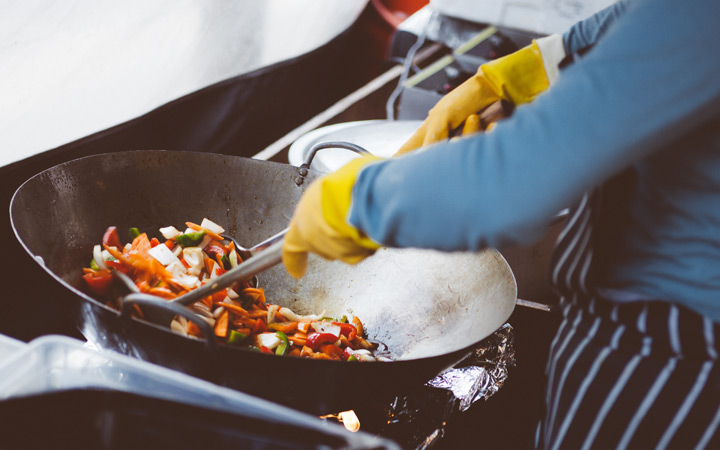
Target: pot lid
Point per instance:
(380, 137)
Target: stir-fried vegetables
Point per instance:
(239, 315)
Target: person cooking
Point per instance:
(629, 132)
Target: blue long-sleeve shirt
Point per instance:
(646, 100)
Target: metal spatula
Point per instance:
(264, 255)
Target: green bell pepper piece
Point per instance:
(190, 239)
(284, 346)
(133, 233)
(235, 337)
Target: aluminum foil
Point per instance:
(483, 373)
(418, 420)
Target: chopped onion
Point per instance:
(163, 255)
(212, 226)
(97, 256)
(205, 241)
(232, 294)
(362, 357)
(291, 315)
(176, 268)
(194, 257)
(233, 257)
(303, 327)
(272, 310)
(326, 327)
(169, 232)
(209, 320)
(269, 340)
(202, 309)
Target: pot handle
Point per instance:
(159, 310)
(305, 166)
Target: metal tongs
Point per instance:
(260, 257)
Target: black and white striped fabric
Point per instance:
(625, 375)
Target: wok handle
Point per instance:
(303, 170)
(156, 308)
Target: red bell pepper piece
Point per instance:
(219, 295)
(118, 265)
(347, 330)
(315, 340)
(99, 282)
(111, 238)
(213, 250)
(266, 350)
(259, 327)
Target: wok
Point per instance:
(429, 308)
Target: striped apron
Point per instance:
(625, 375)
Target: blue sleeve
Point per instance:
(649, 80)
(586, 32)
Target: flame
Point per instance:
(348, 418)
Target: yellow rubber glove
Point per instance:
(518, 77)
(319, 224)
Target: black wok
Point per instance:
(429, 308)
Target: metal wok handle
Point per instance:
(157, 308)
(305, 166)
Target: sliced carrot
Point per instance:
(170, 244)
(244, 330)
(221, 325)
(359, 326)
(284, 326)
(162, 292)
(244, 322)
(234, 308)
(260, 327)
(296, 352)
(332, 351)
(255, 293)
(141, 243)
(193, 329)
(304, 326)
(297, 340)
(359, 342)
(257, 314)
(219, 295)
(280, 318)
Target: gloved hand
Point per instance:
(518, 77)
(319, 224)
